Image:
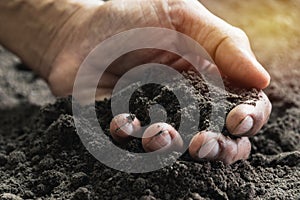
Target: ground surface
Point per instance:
(41, 155)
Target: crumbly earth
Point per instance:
(42, 157)
(180, 99)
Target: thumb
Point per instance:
(235, 59)
(228, 46)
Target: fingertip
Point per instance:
(209, 150)
(195, 144)
(244, 126)
(266, 80)
(236, 60)
(123, 127)
(249, 73)
(263, 78)
(244, 148)
(239, 120)
(204, 145)
(162, 137)
(229, 151)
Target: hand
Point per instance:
(227, 45)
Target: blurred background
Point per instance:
(271, 25)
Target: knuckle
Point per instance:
(240, 34)
(177, 11)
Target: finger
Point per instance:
(124, 127)
(228, 46)
(204, 145)
(246, 119)
(235, 59)
(216, 147)
(243, 148)
(91, 3)
(161, 136)
(233, 150)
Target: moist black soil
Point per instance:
(41, 156)
(179, 98)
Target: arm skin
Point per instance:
(33, 29)
(28, 28)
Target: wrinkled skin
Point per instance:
(228, 46)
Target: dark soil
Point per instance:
(42, 157)
(204, 96)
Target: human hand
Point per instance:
(227, 45)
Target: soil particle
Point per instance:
(79, 179)
(3, 159)
(8, 196)
(16, 157)
(147, 197)
(81, 194)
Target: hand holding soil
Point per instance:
(42, 156)
(78, 26)
(248, 111)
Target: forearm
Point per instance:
(27, 27)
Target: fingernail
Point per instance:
(159, 141)
(124, 125)
(209, 150)
(244, 126)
